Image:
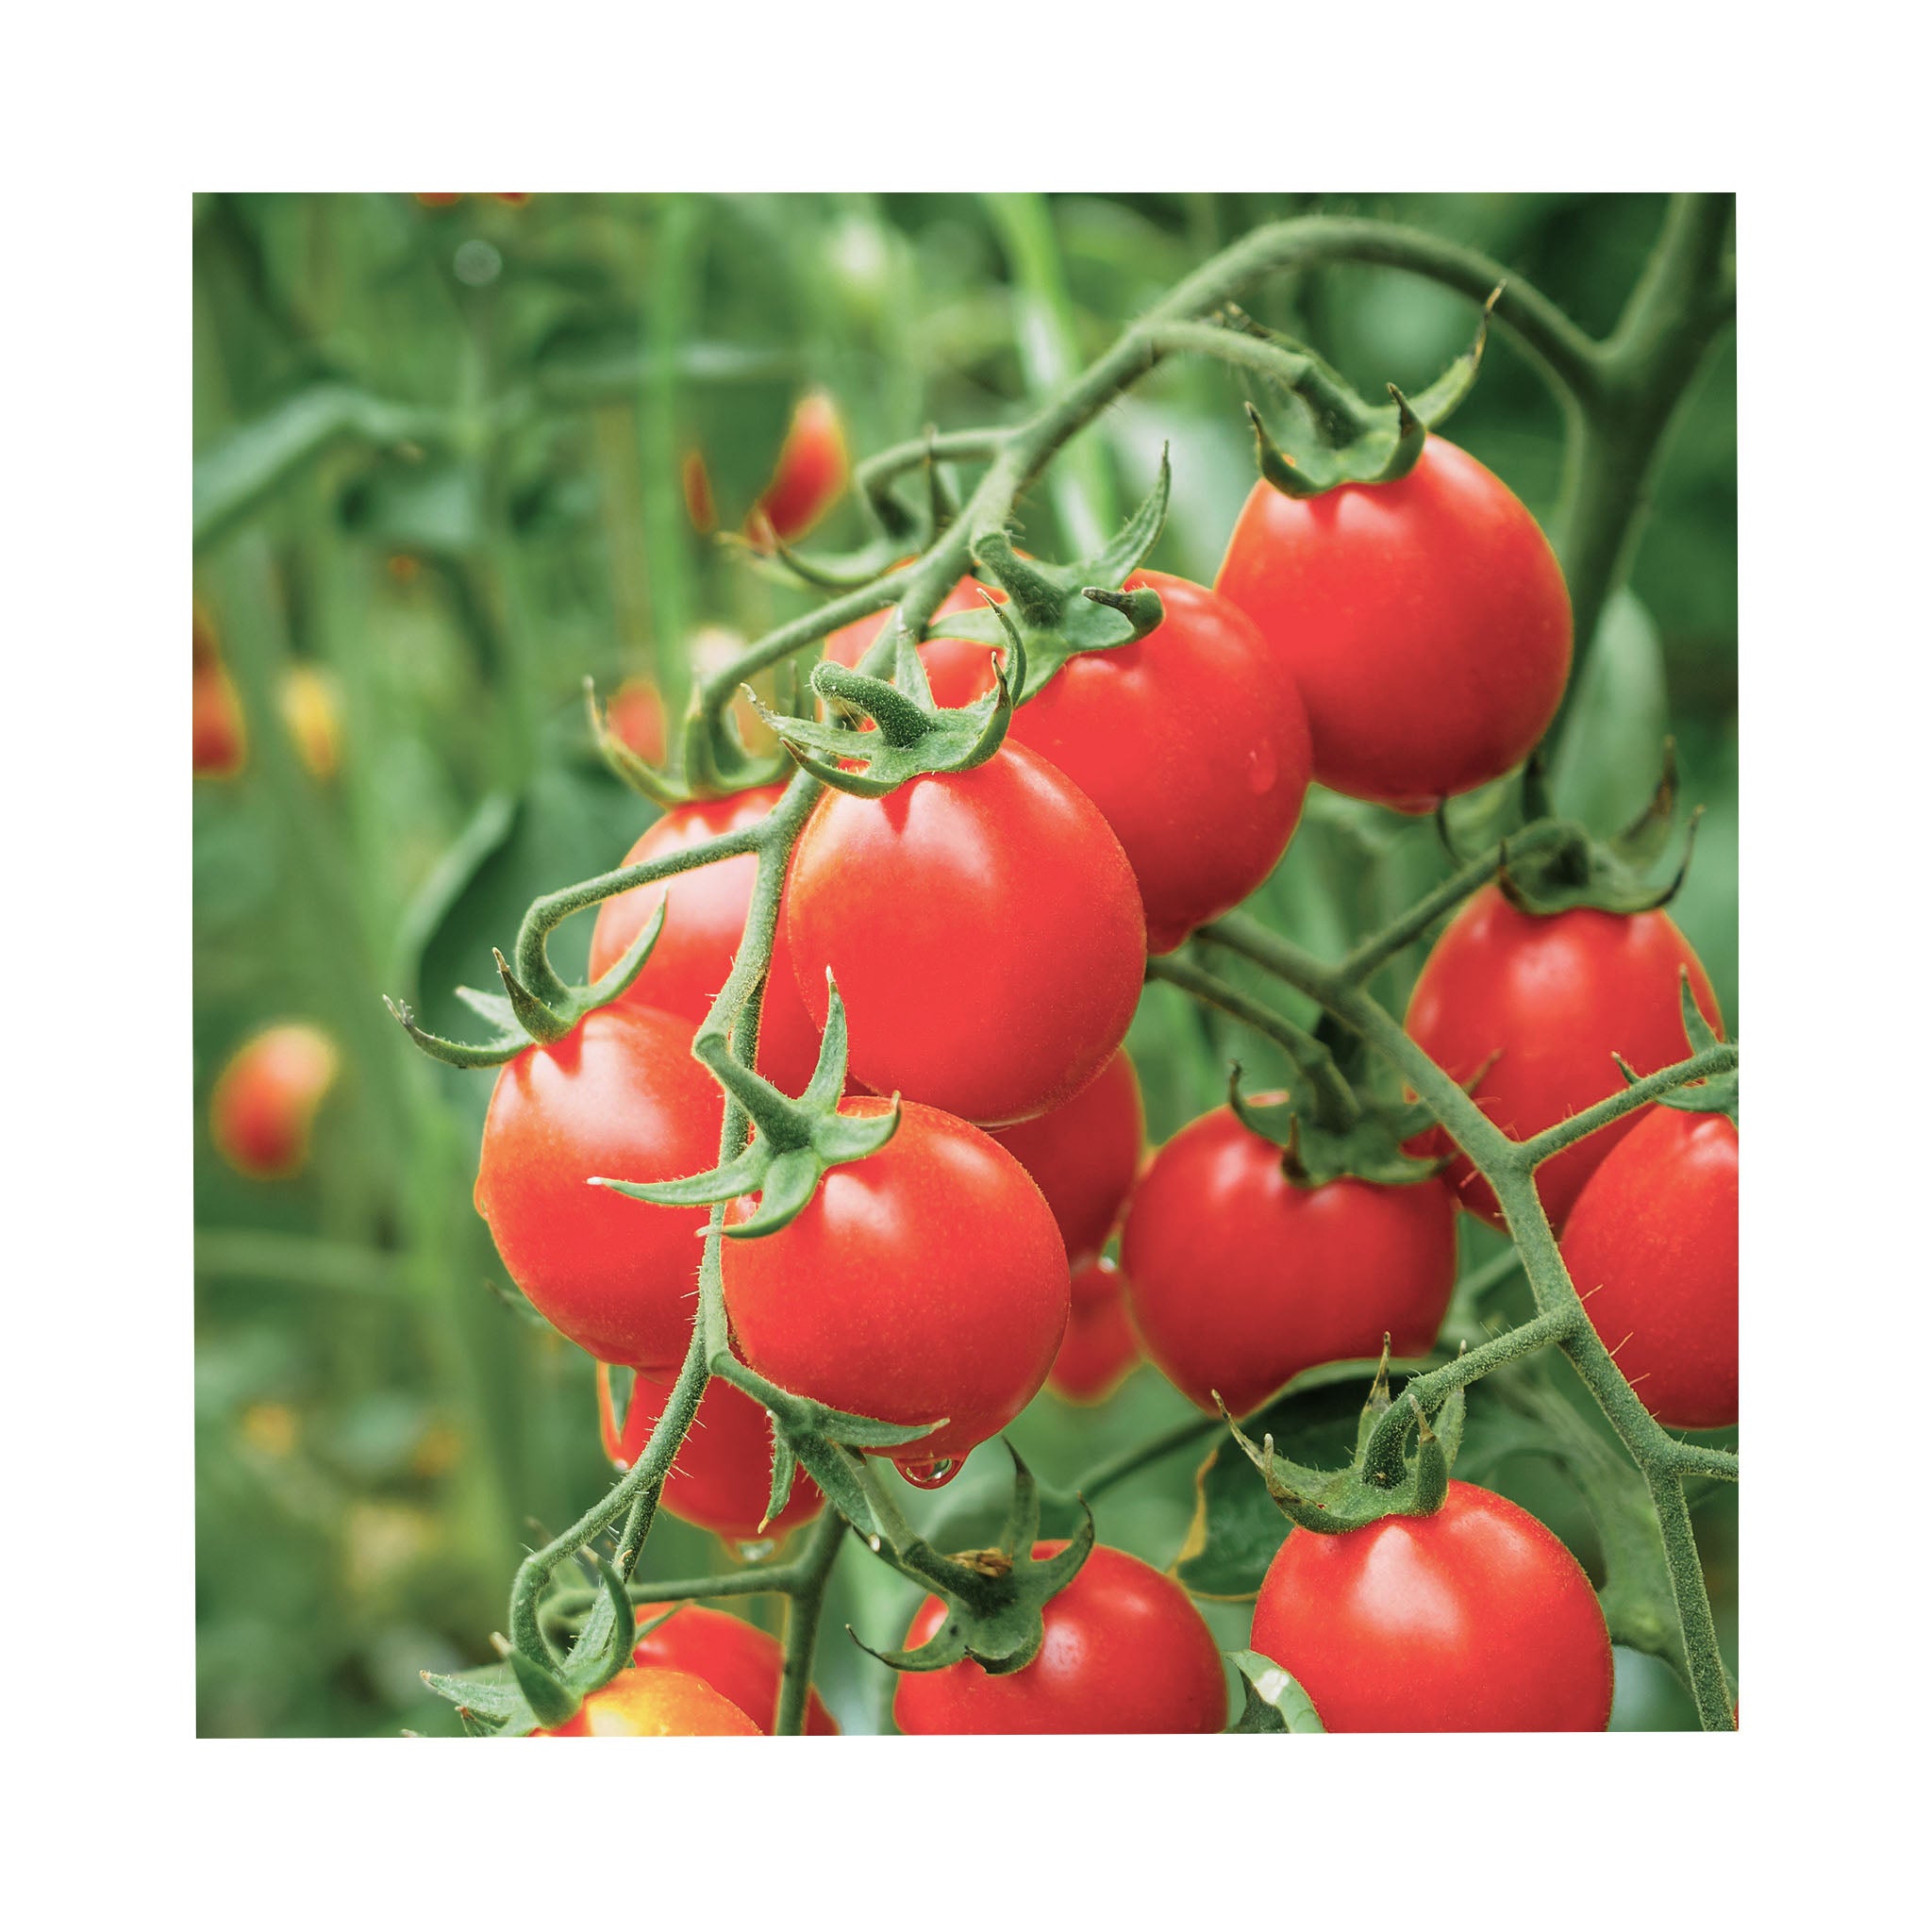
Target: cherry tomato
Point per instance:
(699, 504)
(1552, 998)
(1239, 1278)
(1124, 1651)
(1425, 622)
(704, 923)
(985, 931)
(312, 712)
(265, 1100)
(959, 671)
(721, 1477)
(737, 1660)
(811, 470)
(1084, 1154)
(1474, 1619)
(636, 717)
(1652, 1245)
(926, 1281)
(221, 733)
(618, 1096)
(1100, 1347)
(655, 1703)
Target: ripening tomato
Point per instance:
(700, 506)
(636, 717)
(1425, 622)
(926, 1281)
(221, 733)
(958, 670)
(1552, 998)
(265, 1099)
(1652, 1245)
(721, 1477)
(985, 931)
(1239, 1278)
(811, 470)
(1474, 1619)
(619, 1096)
(1084, 1154)
(1124, 1651)
(312, 712)
(655, 1703)
(737, 1660)
(1100, 1348)
(704, 923)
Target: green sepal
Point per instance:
(620, 1384)
(994, 1598)
(1370, 1146)
(1446, 395)
(1273, 1701)
(490, 1700)
(1715, 1092)
(609, 1635)
(794, 1144)
(642, 777)
(551, 1700)
(520, 1017)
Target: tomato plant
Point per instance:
(959, 671)
(265, 1100)
(741, 1662)
(1083, 1156)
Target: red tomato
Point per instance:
(1652, 1245)
(265, 1100)
(1084, 1154)
(1124, 1651)
(1239, 1278)
(619, 1096)
(220, 734)
(655, 1703)
(636, 717)
(1474, 1619)
(737, 1660)
(811, 470)
(1425, 622)
(703, 923)
(958, 670)
(926, 1281)
(1553, 997)
(1100, 1347)
(985, 931)
(721, 1477)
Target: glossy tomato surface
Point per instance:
(1084, 1154)
(265, 1100)
(1652, 1245)
(1424, 621)
(655, 1703)
(1100, 1348)
(985, 932)
(1553, 999)
(737, 1660)
(958, 670)
(926, 1281)
(618, 1096)
(721, 1477)
(1239, 1278)
(703, 923)
(1124, 1651)
(1474, 1619)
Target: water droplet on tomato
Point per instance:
(756, 1552)
(1262, 771)
(931, 1476)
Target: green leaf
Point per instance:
(1275, 1702)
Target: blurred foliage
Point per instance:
(437, 458)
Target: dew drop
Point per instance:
(931, 1476)
(756, 1552)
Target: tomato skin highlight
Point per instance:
(1125, 1651)
(998, 892)
(655, 1703)
(721, 1477)
(1425, 622)
(619, 1096)
(1101, 1347)
(1652, 1245)
(741, 1662)
(1084, 1154)
(1474, 1619)
(1239, 1280)
(265, 1100)
(704, 926)
(1553, 997)
(926, 1281)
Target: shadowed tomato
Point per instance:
(265, 1100)
(1239, 1278)
(636, 717)
(221, 735)
(1100, 1347)
(1425, 622)
(985, 932)
(1552, 998)
(811, 470)
(1124, 1651)
(655, 1703)
(1652, 1245)
(721, 1477)
(619, 1096)
(1084, 1154)
(959, 671)
(926, 1281)
(742, 1663)
(1474, 1619)
(703, 923)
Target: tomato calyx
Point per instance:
(994, 1598)
(1718, 1092)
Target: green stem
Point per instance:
(1117, 1469)
(804, 1605)
(1539, 1148)
(1709, 1683)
